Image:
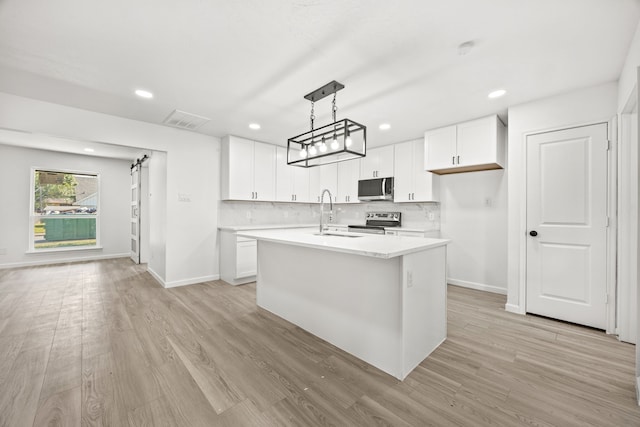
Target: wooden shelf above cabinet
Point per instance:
(472, 168)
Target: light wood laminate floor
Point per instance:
(101, 343)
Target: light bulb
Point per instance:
(348, 141)
(323, 147)
(312, 150)
(303, 153)
(334, 144)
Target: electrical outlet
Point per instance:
(409, 279)
(488, 202)
(184, 197)
(431, 216)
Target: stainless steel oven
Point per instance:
(377, 221)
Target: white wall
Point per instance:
(15, 176)
(193, 167)
(628, 83)
(157, 195)
(628, 76)
(593, 104)
(474, 217)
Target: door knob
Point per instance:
(533, 233)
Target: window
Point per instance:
(65, 210)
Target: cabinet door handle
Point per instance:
(453, 160)
(458, 159)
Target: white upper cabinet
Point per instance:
(470, 146)
(248, 170)
(348, 176)
(378, 163)
(411, 182)
(321, 177)
(264, 168)
(292, 182)
(440, 148)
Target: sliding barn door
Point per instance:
(135, 213)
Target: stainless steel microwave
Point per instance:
(375, 189)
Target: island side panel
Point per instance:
(425, 305)
(352, 301)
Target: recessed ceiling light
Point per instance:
(384, 126)
(254, 126)
(143, 93)
(497, 93)
(89, 150)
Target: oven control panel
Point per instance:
(388, 219)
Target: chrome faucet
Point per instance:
(322, 208)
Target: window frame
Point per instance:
(33, 217)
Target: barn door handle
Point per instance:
(533, 233)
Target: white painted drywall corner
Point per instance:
(157, 264)
(628, 76)
(473, 214)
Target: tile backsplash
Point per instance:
(414, 215)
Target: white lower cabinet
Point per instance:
(238, 258)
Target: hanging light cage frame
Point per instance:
(335, 142)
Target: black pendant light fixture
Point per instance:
(336, 142)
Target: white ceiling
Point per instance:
(246, 61)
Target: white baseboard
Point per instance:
(638, 390)
(62, 260)
(512, 308)
(478, 286)
(183, 282)
(156, 276)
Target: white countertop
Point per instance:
(264, 227)
(417, 230)
(283, 226)
(373, 245)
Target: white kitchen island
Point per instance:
(381, 298)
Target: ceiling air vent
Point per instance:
(184, 120)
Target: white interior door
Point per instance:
(566, 223)
(135, 214)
